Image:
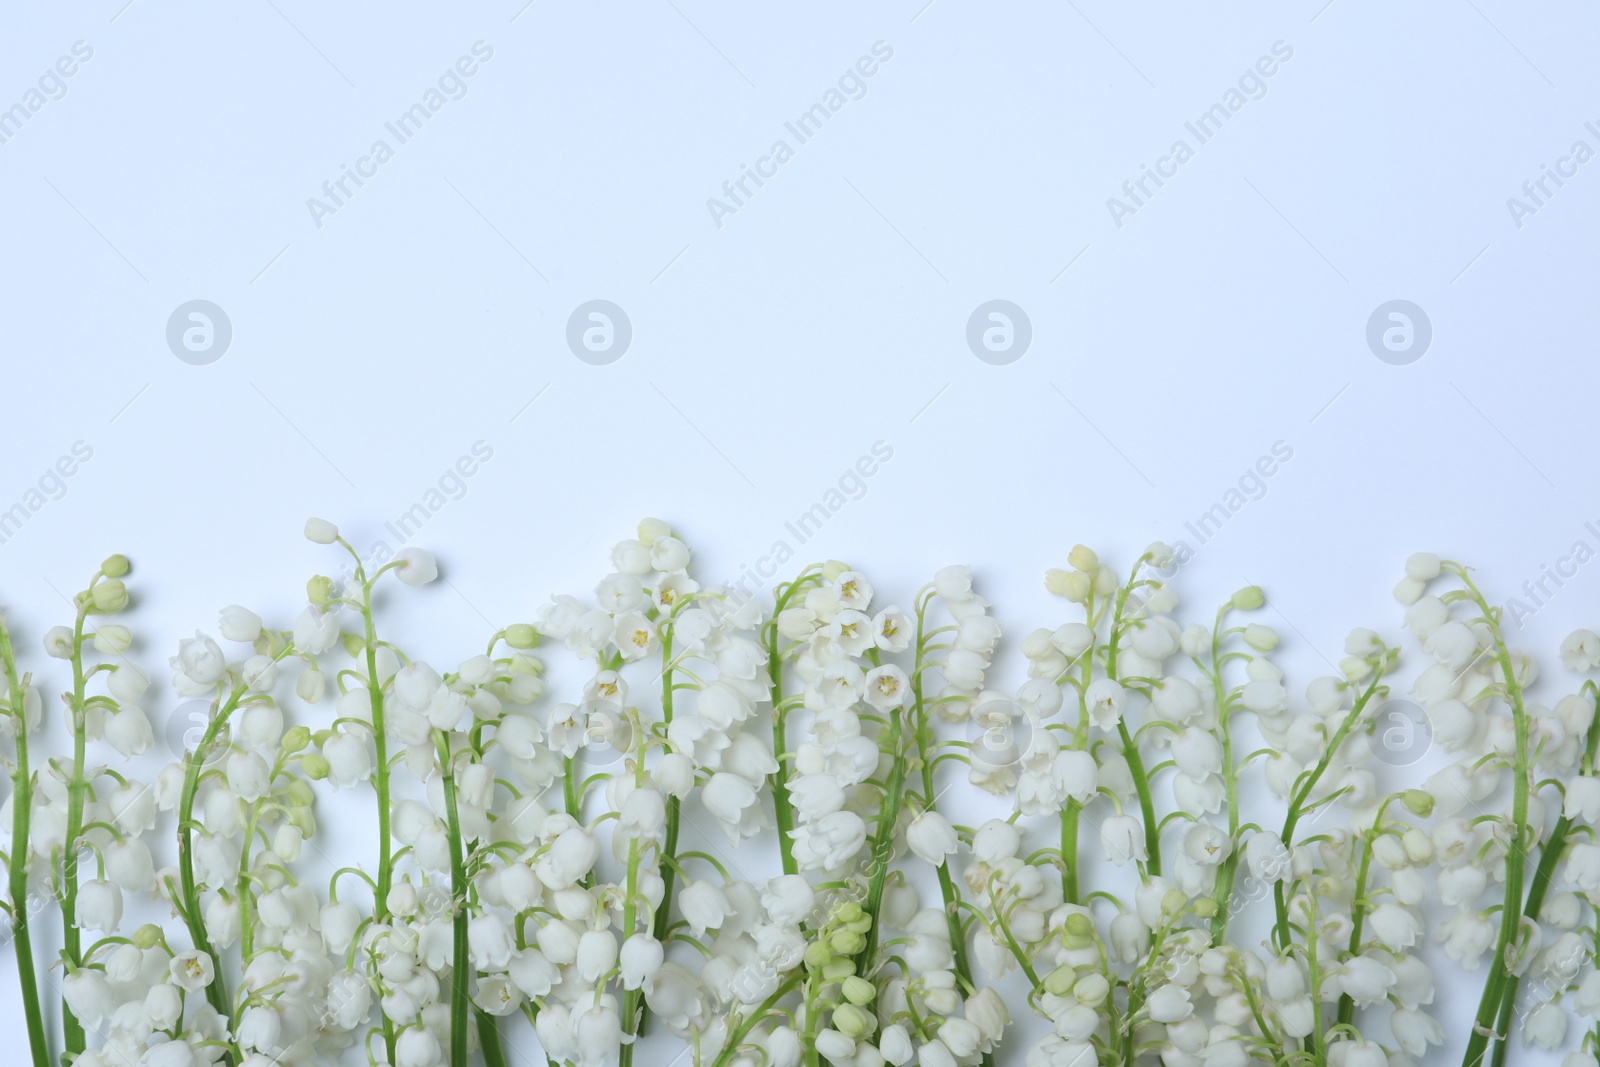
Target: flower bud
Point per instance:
(296, 738)
(522, 636)
(321, 531)
(1059, 982)
(1248, 599)
(114, 566)
(851, 1021)
(1261, 638)
(858, 990)
(838, 969)
(315, 765)
(110, 595)
(147, 936)
(1418, 801)
(319, 589)
(651, 530)
(310, 685)
(112, 640)
(1083, 558)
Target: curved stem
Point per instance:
(380, 780)
(781, 804)
(77, 794)
(1516, 854)
(21, 899)
(1358, 915)
(1542, 878)
(670, 848)
(1230, 782)
(1281, 932)
(217, 991)
(460, 974)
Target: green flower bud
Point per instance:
(1261, 638)
(1419, 802)
(652, 530)
(115, 566)
(851, 1021)
(299, 794)
(296, 738)
(315, 766)
(832, 569)
(109, 595)
(302, 819)
(1079, 925)
(521, 635)
(319, 589)
(817, 955)
(858, 990)
(848, 912)
(847, 942)
(1249, 598)
(838, 969)
(1083, 558)
(1172, 902)
(527, 665)
(1205, 907)
(147, 936)
(353, 645)
(1059, 982)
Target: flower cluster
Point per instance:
(565, 821)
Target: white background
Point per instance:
(827, 314)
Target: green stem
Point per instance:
(780, 746)
(1516, 855)
(77, 794)
(1130, 748)
(1230, 781)
(1542, 877)
(217, 991)
(380, 779)
(743, 1029)
(1069, 851)
(663, 921)
(21, 815)
(460, 974)
(888, 813)
(489, 1040)
(1358, 915)
(947, 888)
(1281, 932)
